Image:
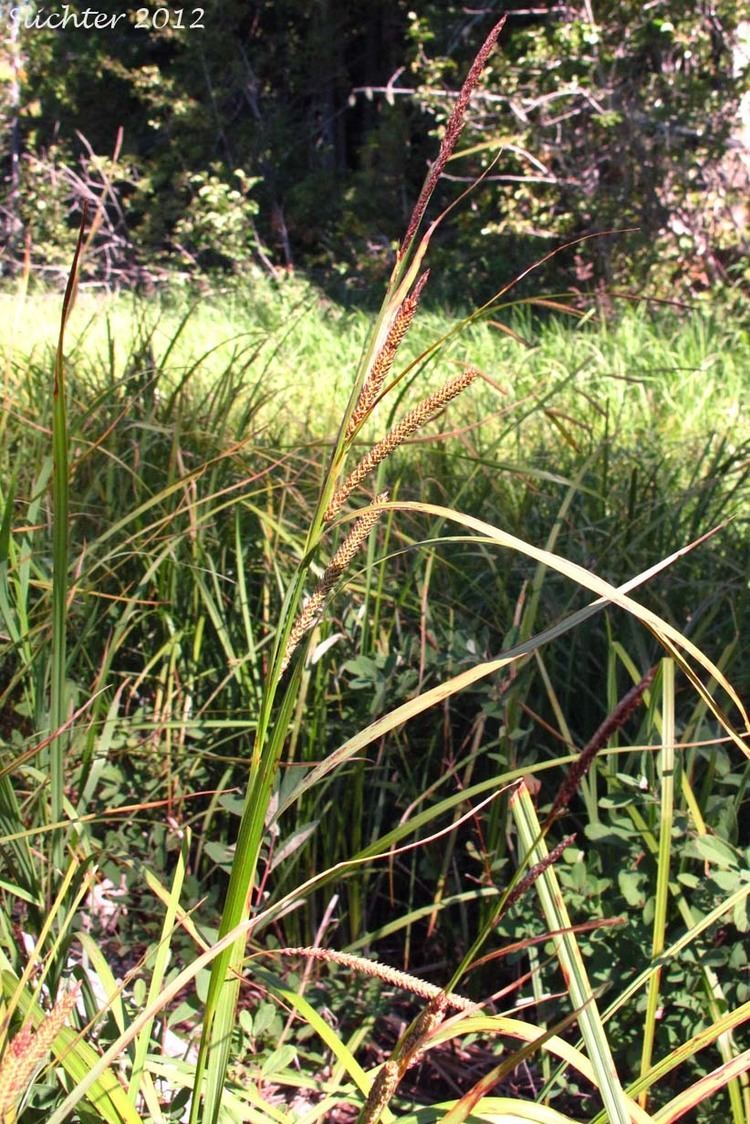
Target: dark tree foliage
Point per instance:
(296, 135)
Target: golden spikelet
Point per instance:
(383, 1087)
(384, 361)
(310, 612)
(30, 1049)
(409, 424)
(439, 999)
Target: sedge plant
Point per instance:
(298, 616)
(399, 306)
(276, 679)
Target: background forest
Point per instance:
(295, 136)
(373, 735)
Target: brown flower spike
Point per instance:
(384, 361)
(409, 424)
(609, 726)
(452, 133)
(312, 609)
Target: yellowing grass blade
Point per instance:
(666, 805)
(608, 594)
(495, 1110)
(675, 949)
(487, 1082)
(159, 969)
(514, 1028)
(671, 637)
(704, 1089)
(706, 1037)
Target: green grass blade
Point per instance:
(442, 691)
(159, 969)
(666, 816)
(112, 990)
(340, 1051)
(58, 699)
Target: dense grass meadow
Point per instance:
(372, 736)
(455, 673)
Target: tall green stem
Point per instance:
(58, 699)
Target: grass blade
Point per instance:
(58, 700)
(666, 770)
(159, 969)
(571, 961)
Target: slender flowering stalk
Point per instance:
(452, 133)
(384, 360)
(409, 424)
(609, 726)
(312, 609)
(28, 1050)
(273, 723)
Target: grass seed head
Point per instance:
(409, 424)
(609, 726)
(534, 873)
(311, 611)
(385, 357)
(452, 133)
(30, 1049)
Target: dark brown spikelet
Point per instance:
(535, 872)
(609, 726)
(385, 357)
(409, 424)
(452, 133)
